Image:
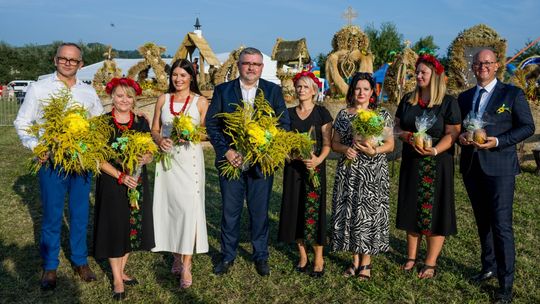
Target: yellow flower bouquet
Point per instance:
(368, 125)
(255, 134)
(131, 146)
(75, 142)
(185, 129)
(302, 147)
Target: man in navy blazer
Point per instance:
(489, 169)
(252, 185)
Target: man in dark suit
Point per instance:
(251, 185)
(489, 169)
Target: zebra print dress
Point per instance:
(360, 201)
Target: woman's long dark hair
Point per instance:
(188, 67)
(350, 92)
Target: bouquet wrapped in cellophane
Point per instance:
(255, 134)
(129, 148)
(74, 141)
(302, 147)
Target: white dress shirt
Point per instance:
(485, 98)
(31, 111)
(248, 94)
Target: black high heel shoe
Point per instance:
(302, 269)
(119, 296)
(318, 274)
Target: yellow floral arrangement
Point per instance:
(131, 146)
(255, 134)
(185, 130)
(302, 148)
(74, 142)
(368, 123)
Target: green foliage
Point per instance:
(382, 41)
(532, 51)
(321, 62)
(425, 43)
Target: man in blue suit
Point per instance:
(252, 185)
(489, 169)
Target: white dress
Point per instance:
(179, 216)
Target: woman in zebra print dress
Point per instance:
(360, 200)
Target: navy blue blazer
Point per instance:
(226, 95)
(509, 126)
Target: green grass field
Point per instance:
(20, 270)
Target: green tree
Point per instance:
(382, 41)
(321, 62)
(425, 43)
(9, 57)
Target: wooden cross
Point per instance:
(349, 15)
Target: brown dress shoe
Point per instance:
(85, 273)
(48, 280)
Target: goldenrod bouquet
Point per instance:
(368, 125)
(302, 148)
(185, 129)
(255, 134)
(73, 140)
(131, 146)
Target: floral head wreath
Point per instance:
(128, 82)
(427, 58)
(307, 74)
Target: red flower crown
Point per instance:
(427, 58)
(125, 82)
(307, 74)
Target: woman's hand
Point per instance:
(130, 181)
(313, 162)
(166, 144)
(145, 159)
(426, 151)
(351, 153)
(366, 148)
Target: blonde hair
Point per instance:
(437, 87)
(310, 83)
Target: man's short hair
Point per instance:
(69, 44)
(250, 51)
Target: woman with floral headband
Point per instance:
(360, 201)
(426, 179)
(303, 207)
(120, 228)
(179, 215)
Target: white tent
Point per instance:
(87, 73)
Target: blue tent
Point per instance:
(380, 73)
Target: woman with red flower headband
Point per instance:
(179, 212)
(426, 181)
(303, 206)
(120, 229)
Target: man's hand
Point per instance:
(234, 158)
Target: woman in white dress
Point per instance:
(179, 216)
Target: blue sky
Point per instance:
(228, 24)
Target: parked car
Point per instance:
(19, 87)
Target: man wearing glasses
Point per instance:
(489, 169)
(251, 185)
(53, 183)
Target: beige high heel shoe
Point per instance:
(184, 283)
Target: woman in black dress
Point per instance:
(360, 200)
(303, 206)
(426, 178)
(120, 229)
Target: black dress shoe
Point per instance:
(131, 282)
(302, 269)
(48, 280)
(223, 267)
(85, 273)
(317, 274)
(119, 296)
(503, 296)
(482, 277)
(262, 267)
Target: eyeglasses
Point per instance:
(250, 64)
(487, 64)
(64, 60)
